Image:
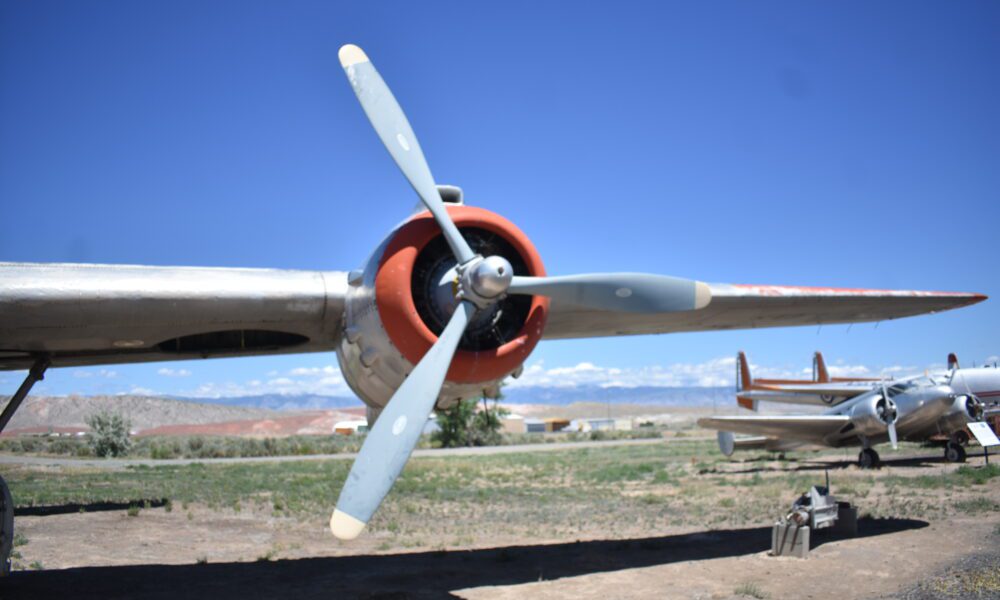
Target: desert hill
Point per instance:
(144, 411)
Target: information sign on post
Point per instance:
(986, 437)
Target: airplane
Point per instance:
(913, 409)
(821, 389)
(449, 304)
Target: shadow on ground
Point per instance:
(832, 465)
(414, 575)
(73, 507)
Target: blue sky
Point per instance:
(847, 144)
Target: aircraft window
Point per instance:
(899, 388)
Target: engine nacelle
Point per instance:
(397, 306)
(872, 416)
(965, 409)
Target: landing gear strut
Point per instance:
(868, 459)
(960, 437)
(35, 374)
(6, 527)
(954, 452)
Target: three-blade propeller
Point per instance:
(483, 282)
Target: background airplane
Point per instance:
(821, 389)
(449, 304)
(914, 409)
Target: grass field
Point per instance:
(218, 446)
(458, 500)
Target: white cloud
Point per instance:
(321, 381)
(716, 372)
(88, 373)
(168, 372)
(327, 370)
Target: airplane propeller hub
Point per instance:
(887, 411)
(486, 280)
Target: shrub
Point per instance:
(463, 425)
(109, 434)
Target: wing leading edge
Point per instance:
(754, 306)
(799, 428)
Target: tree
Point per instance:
(109, 434)
(463, 425)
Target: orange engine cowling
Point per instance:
(398, 306)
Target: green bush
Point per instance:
(463, 425)
(109, 434)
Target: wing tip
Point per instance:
(350, 54)
(962, 299)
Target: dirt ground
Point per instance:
(195, 551)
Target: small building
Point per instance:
(534, 426)
(350, 427)
(599, 424)
(623, 425)
(513, 424)
(554, 424)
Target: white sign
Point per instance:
(984, 434)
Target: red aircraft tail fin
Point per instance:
(744, 382)
(820, 374)
(952, 361)
(743, 379)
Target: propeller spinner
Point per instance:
(482, 282)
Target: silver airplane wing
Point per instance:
(800, 428)
(753, 306)
(821, 395)
(99, 314)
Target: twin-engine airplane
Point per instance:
(449, 304)
(913, 409)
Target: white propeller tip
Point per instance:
(351, 55)
(344, 526)
(702, 295)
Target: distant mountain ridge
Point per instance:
(156, 411)
(142, 412)
(282, 402)
(149, 412)
(663, 396)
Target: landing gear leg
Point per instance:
(868, 459)
(6, 527)
(37, 373)
(954, 452)
(960, 437)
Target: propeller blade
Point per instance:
(618, 292)
(394, 130)
(391, 441)
(890, 422)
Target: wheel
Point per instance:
(954, 453)
(6, 527)
(960, 437)
(868, 459)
